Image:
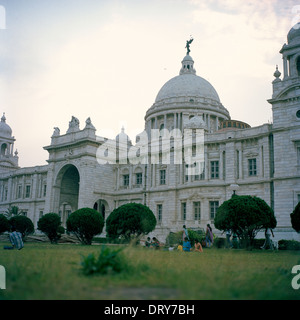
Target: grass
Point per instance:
(45, 271)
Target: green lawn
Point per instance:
(45, 271)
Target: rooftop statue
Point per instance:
(188, 42)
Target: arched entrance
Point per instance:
(68, 181)
(102, 207)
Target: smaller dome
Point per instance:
(294, 34)
(196, 122)
(5, 129)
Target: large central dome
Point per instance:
(183, 97)
(189, 85)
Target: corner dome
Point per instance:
(294, 34)
(5, 129)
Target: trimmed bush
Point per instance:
(4, 224)
(295, 218)
(50, 224)
(288, 245)
(22, 224)
(130, 221)
(85, 223)
(245, 216)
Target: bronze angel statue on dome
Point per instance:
(188, 42)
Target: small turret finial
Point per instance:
(277, 74)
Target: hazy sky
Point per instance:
(108, 59)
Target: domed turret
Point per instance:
(8, 160)
(5, 129)
(294, 34)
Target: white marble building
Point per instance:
(262, 161)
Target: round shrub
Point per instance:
(22, 224)
(50, 224)
(85, 223)
(245, 216)
(295, 218)
(130, 221)
(4, 224)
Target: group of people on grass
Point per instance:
(208, 242)
(186, 243)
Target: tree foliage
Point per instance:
(22, 224)
(13, 211)
(130, 221)
(85, 223)
(50, 224)
(295, 218)
(245, 216)
(4, 224)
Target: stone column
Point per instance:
(285, 69)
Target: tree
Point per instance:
(13, 211)
(50, 224)
(4, 224)
(295, 218)
(85, 223)
(22, 224)
(130, 220)
(245, 216)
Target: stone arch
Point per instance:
(3, 150)
(101, 206)
(67, 181)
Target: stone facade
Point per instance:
(263, 161)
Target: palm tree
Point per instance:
(13, 211)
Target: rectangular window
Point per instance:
(186, 173)
(213, 206)
(162, 177)
(159, 212)
(27, 191)
(44, 190)
(139, 178)
(214, 166)
(197, 210)
(41, 214)
(19, 194)
(126, 180)
(183, 211)
(252, 167)
(5, 194)
(298, 156)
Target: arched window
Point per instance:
(3, 149)
(298, 66)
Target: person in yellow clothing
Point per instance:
(179, 248)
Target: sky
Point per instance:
(107, 60)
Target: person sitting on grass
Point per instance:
(16, 240)
(179, 247)
(198, 247)
(148, 243)
(155, 243)
(186, 245)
